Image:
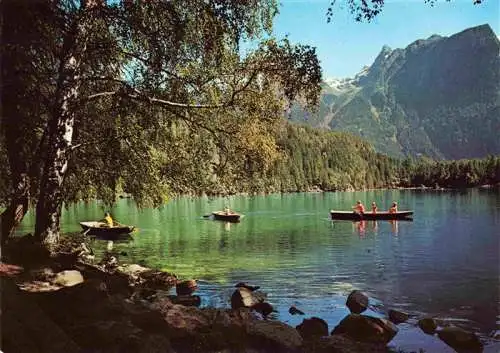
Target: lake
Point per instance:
(444, 264)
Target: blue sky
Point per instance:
(344, 46)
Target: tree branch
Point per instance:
(144, 97)
(100, 94)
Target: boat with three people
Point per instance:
(359, 216)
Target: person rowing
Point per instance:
(109, 221)
(359, 208)
(394, 208)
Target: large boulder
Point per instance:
(192, 329)
(274, 336)
(312, 328)
(185, 322)
(366, 329)
(357, 302)
(460, 340)
(229, 328)
(428, 325)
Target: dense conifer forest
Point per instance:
(312, 160)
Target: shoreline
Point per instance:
(319, 191)
(138, 299)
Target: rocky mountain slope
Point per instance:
(438, 97)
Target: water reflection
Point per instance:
(394, 227)
(360, 227)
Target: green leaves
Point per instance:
(163, 103)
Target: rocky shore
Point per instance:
(72, 303)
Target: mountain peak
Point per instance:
(482, 32)
(484, 28)
(437, 97)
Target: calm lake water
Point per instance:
(444, 264)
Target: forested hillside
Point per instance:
(312, 159)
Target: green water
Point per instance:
(444, 264)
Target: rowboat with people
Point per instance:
(227, 216)
(359, 216)
(102, 228)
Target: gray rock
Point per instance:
(68, 278)
(132, 270)
(366, 329)
(357, 302)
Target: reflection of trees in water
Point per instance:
(223, 244)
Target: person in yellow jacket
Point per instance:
(108, 220)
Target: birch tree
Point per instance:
(115, 92)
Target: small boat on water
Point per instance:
(354, 216)
(228, 217)
(101, 228)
